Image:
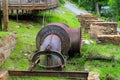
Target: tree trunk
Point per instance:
(79, 2)
(97, 8)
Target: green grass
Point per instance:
(62, 15)
(104, 66)
(3, 34)
(118, 23)
(107, 50)
(26, 34)
(25, 37)
(66, 17)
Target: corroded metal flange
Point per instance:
(61, 61)
(58, 30)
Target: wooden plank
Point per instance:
(61, 74)
(32, 6)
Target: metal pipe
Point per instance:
(51, 43)
(55, 40)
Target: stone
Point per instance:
(82, 18)
(17, 27)
(108, 39)
(108, 77)
(89, 42)
(87, 24)
(93, 76)
(6, 47)
(29, 26)
(102, 28)
(1, 59)
(4, 75)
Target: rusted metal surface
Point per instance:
(55, 40)
(51, 43)
(57, 30)
(60, 74)
(55, 60)
(75, 36)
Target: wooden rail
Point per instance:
(31, 4)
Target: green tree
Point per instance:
(91, 5)
(115, 6)
(62, 1)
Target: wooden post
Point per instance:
(33, 4)
(5, 14)
(0, 20)
(46, 2)
(0, 16)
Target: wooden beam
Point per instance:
(0, 18)
(5, 14)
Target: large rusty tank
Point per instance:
(53, 42)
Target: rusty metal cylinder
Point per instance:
(75, 40)
(55, 40)
(51, 43)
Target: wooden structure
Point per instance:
(39, 5)
(30, 4)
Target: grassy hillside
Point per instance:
(26, 33)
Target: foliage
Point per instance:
(118, 23)
(62, 1)
(91, 6)
(114, 4)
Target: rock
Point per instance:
(82, 18)
(1, 59)
(108, 39)
(93, 76)
(4, 75)
(89, 42)
(102, 28)
(6, 47)
(29, 26)
(17, 27)
(108, 77)
(87, 24)
(86, 69)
